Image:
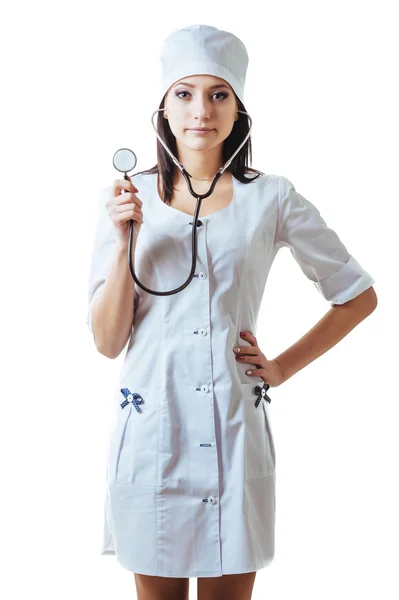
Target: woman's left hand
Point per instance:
(269, 370)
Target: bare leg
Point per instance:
(152, 587)
(231, 587)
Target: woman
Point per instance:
(191, 464)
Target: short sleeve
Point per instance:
(103, 252)
(318, 250)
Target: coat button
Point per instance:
(212, 500)
(202, 331)
(201, 275)
(203, 388)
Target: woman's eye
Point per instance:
(215, 94)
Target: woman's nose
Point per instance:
(201, 110)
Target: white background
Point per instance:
(80, 79)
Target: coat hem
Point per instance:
(193, 573)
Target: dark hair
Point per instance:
(238, 166)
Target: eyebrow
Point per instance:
(211, 87)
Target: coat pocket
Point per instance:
(133, 446)
(259, 445)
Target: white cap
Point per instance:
(202, 49)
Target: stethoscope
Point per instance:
(125, 160)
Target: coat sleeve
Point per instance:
(105, 240)
(317, 249)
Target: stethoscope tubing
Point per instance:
(199, 198)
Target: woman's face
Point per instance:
(201, 101)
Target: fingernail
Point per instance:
(249, 372)
(242, 334)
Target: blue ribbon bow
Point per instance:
(260, 391)
(133, 398)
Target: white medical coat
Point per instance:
(191, 470)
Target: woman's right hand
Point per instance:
(123, 205)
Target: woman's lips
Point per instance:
(201, 131)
